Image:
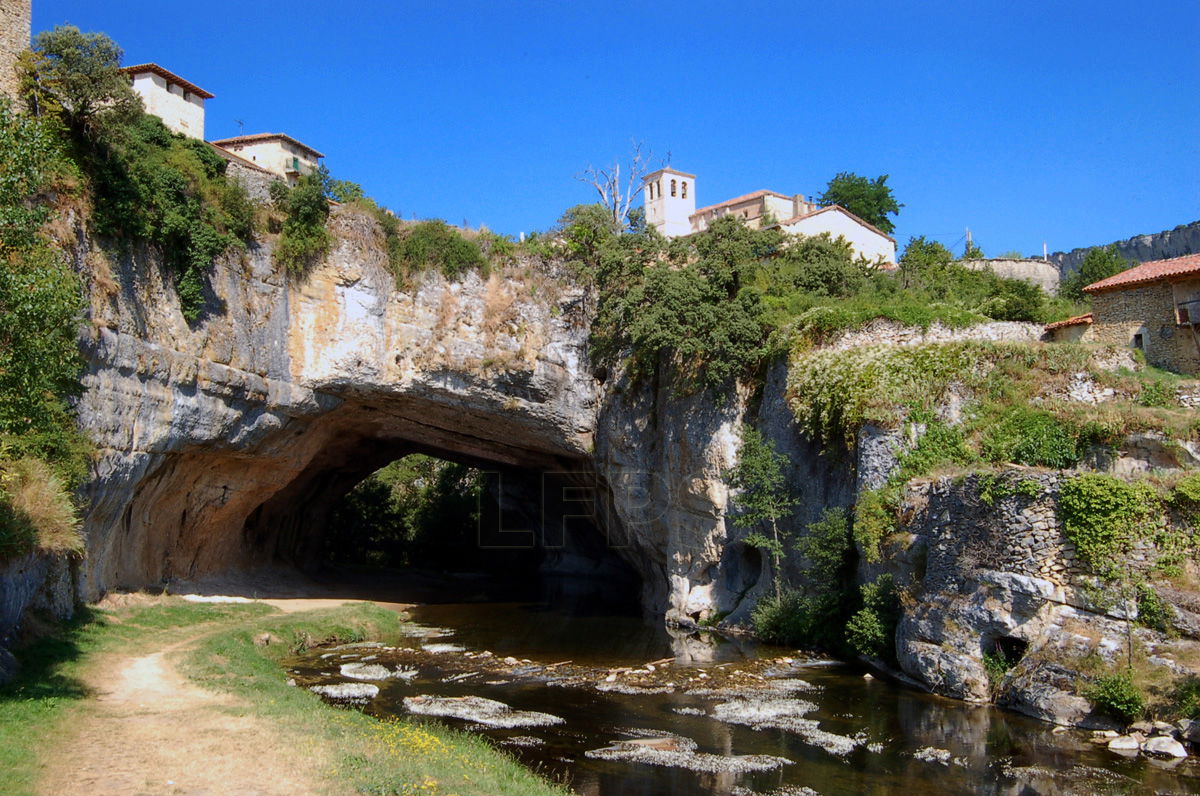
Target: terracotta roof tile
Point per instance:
(250, 139)
(1144, 274)
(1078, 320)
(168, 75)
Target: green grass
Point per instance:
(50, 684)
(370, 756)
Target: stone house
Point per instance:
(1154, 307)
(669, 197)
(178, 102)
(276, 152)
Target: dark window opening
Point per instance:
(672, 187)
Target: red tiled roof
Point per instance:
(1078, 320)
(250, 139)
(168, 75)
(1144, 274)
(866, 224)
(739, 200)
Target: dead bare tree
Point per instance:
(616, 192)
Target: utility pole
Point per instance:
(968, 240)
(1045, 252)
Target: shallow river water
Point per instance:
(722, 717)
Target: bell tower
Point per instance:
(670, 200)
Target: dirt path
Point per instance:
(150, 731)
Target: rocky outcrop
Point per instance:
(985, 569)
(1183, 239)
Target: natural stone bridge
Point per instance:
(225, 445)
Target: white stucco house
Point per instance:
(276, 152)
(669, 197)
(178, 102)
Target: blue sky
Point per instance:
(1073, 123)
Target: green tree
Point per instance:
(923, 263)
(77, 77)
(870, 200)
(40, 303)
(1099, 263)
(305, 240)
(763, 497)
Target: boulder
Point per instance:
(1124, 743)
(1164, 746)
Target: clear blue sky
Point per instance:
(1071, 122)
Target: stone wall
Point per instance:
(15, 27)
(886, 332)
(1183, 239)
(1036, 272)
(1150, 311)
(983, 560)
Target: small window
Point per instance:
(1184, 316)
(684, 188)
(1139, 341)
(672, 187)
(187, 96)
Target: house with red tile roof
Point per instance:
(669, 197)
(178, 102)
(1153, 307)
(276, 152)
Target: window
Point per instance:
(1139, 341)
(672, 187)
(685, 189)
(296, 164)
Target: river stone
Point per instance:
(365, 671)
(678, 752)
(1164, 746)
(353, 692)
(1124, 743)
(1190, 729)
(488, 712)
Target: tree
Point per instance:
(77, 77)
(923, 261)
(870, 200)
(1099, 263)
(764, 496)
(616, 192)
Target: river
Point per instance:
(711, 715)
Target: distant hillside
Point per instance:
(1184, 239)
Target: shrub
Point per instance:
(783, 618)
(1102, 516)
(1031, 436)
(1185, 698)
(1152, 612)
(875, 516)
(1117, 696)
(871, 631)
(304, 240)
(435, 244)
(35, 510)
(1156, 394)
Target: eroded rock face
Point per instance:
(226, 444)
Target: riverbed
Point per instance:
(599, 698)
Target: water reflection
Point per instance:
(904, 741)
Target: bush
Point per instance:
(36, 512)
(871, 631)
(1152, 612)
(1185, 698)
(435, 244)
(1103, 516)
(1117, 696)
(304, 239)
(1031, 436)
(875, 516)
(783, 619)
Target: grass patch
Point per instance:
(366, 755)
(35, 706)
